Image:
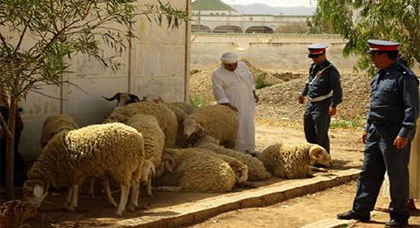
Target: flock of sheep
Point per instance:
(171, 144)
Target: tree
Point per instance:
(38, 37)
(360, 20)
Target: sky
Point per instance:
(283, 3)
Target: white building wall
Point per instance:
(156, 65)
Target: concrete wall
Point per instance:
(277, 52)
(157, 64)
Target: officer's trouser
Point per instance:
(380, 156)
(316, 122)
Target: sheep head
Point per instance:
(319, 155)
(35, 191)
(241, 171)
(167, 163)
(191, 126)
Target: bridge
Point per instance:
(243, 23)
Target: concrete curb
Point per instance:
(263, 196)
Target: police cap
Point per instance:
(382, 45)
(316, 49)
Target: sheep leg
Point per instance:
(92, 188)
(134, 199)
(74, 198)
(149, 186)
(125, 189)
(69, 196)
(108, 193)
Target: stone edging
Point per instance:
(181, 215)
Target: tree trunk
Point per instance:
(10, 150)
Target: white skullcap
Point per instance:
(229, 58)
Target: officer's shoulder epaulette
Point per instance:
(404, 70)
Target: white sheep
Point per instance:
(147, 174)
(218, 121)
(165, 117)
(194, 170)
(153, 136)
(293, 161)
(256, 169)
(184, 106)
(55, 124)
(108, 150)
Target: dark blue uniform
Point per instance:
(394, 108)
(324, 82)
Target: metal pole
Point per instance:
(199, 16)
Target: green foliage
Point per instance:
(353, 123)
(261, 81)
(293, 27)
(37, 37)
(357, 21)
(198, 101)
(194, 71)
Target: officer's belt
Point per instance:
(320, 98)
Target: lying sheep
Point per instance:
(218, 121)
(286, 161)
(13, 213)
(108, 150)
(55, 124)
(195, 171)
(123, 99)
(165, 117)
(256, 169)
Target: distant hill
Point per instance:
(258, 8)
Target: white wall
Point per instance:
(158, 64)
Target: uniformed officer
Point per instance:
(393, 110)
(324, 93)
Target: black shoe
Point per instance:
(353, 215)
(394, 223)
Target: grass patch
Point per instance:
(200, 101)
(353, 123)
(194, 71)
(261, 81)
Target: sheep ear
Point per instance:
(38, 191)
(200, 127)
(315, 152)
(170, 164)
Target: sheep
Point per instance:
(293, 161)
(218, 121)
(194, 170)
(184, 106)
(123, 99)
(147, 174)
(109, 150)
(153, 136)
(166, 118)
(13, 213)
(55, 124)
(256, 169)
(180, 140)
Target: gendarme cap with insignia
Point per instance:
(316, 49)
(382, 45)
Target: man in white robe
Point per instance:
(234, 86)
